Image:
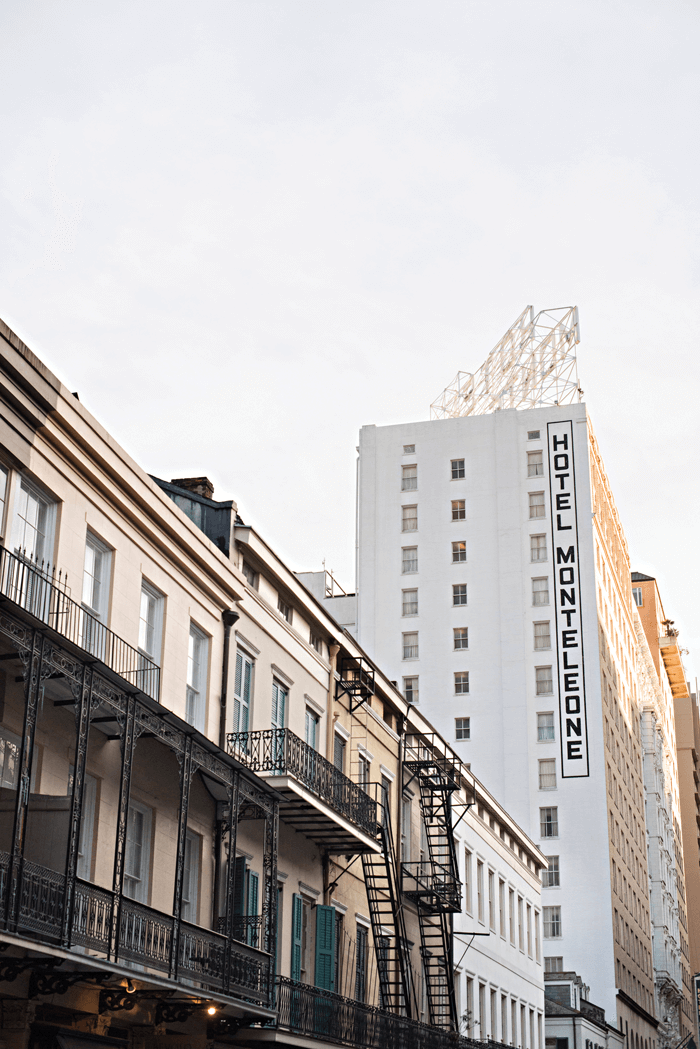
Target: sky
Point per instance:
(241, 230)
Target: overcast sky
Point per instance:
(242, 230)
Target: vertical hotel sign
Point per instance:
(573, 730)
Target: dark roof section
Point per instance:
(639, 577)
(214, 518)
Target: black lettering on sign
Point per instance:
(571, 685)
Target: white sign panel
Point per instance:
(573, 730)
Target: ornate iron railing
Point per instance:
(40, 592)
(280, 752)
(427, 878)
(309, 1011)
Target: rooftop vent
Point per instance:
(199, 485)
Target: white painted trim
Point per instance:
(314, 705)
(245, 643)
(281, 674)
(387, 772)
(361, 920)
(341, 730)
(340, 907)
(304, 888)
(364, 752)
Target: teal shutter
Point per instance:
(279, 697)
(325, 948)
(297, 918)
(253, 879)
(239, 885)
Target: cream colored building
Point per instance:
(221, 823)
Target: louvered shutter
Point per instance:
(253, 880)
(297, 919)
(239, 885)
(324, 976)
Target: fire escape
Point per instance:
(433, 881)
(356, 680)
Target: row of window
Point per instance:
(283, 607)
(409, 514)
(524, 1035)
(525, 931)
(409, 471)
(545, 734)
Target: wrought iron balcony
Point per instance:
(42, 592)
(309, 1011)
(302, 771)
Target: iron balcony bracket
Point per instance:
(48, 982)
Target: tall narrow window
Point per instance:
(197, 659)
(511, 914)
(285, 610)
(190, 876)
(459, 594)
(463, 728)
(461, 683)
(409, 518)
(405, 844)
(3, 497)
(637, 595)
(548, 774)
(150, 636)
(551, 922)
(480, 891)
(252, 577)
(540, 591)
(535, 466)
(536, 502)
(468, 881)
(543, 681)
(95, 596)
(457, 469)
(459, 551)
(138, 852)
(538, 547)
(545, 727)
(361, 945)
(339, 752)
(410, 645)
(460, 637)
(362, 772)
(279, 705)
(311, 728)
(492, 901)
(543, 638)
(549, 822)
(242, 692)
(502, 907)
(409, 603)
(538, 953)
(528, 926)
(459, 510)
(409, 478)
(409, 560)
(521, 940)
(410, 689)
(550, 876)
(33, 523)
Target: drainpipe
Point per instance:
(229, 616)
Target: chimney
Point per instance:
(199, 485)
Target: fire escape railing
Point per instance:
(280, 752)
(41, 592)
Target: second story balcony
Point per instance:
(319, 800)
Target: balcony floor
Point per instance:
(307, 814)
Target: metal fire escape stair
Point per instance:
(388, 926)
(433, 884)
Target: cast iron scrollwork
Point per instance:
(11, 968)
(42, 982)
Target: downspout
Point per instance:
(229, 616)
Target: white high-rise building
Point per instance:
(494, 585)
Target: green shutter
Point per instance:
(239, 885)
(253, 879)
(297, 919)
(325, 948)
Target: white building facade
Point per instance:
(493, 584)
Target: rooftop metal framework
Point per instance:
(533, 365)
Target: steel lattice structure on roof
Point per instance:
(533, 365)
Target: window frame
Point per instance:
(46, 554)
(463, 631)
(547, 774)
(459, 509)
(406, 646)
(536, 506)
(533, 463)
(461, 682)
(457, 470)
(552, 873)
(551, 821)
(101, 610)
(409, 603)
(411, 694)
(196, 699)
(285, 610)
(459, 595)
(409, 560)
(144, 879)
(544, 590)
(536, 637)
(463, 728)
(407, 478)
(542, 727)
(411, 520)
(544, 681)
(537, 548)
(459, 547)
(551, 919)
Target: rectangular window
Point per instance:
(538, 952)
(137, 856)
(459, 510)
(459, 551)
(470, 1008)
(467, 881)
(550, 876)
(637, 595)
(543, 681)
(504, 1020)
(311, 721)
(409, 478)
(96, 575)
(502, 907)
(551, 922)
(3, 496)
(460, 636)
(548, 774)
(545, 727)
(535, 466)
(410, 689)
(538, 547)
(459, 594)
(511, 914)
(543, 639)
(339, 752)
(533, 435)
(461, 682)
(480, 891)
(409, 449)
(405, 843)
(409, 560)
(409, 603)
(150, 635)
(457, 469)
(549, 822)
(285, 610)
(279, 705)
(536, 503)
(492, 901)
(553, 964)
(409, 518)
(190, 876)
(540, 591)
(528, 927)
(361, 951)
(362, 771)
(197, 660)
(33, 523)
(462, 728)
(252, 577)
(521, 944)
(494, 1016)
(242, 692)
(410, 645)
